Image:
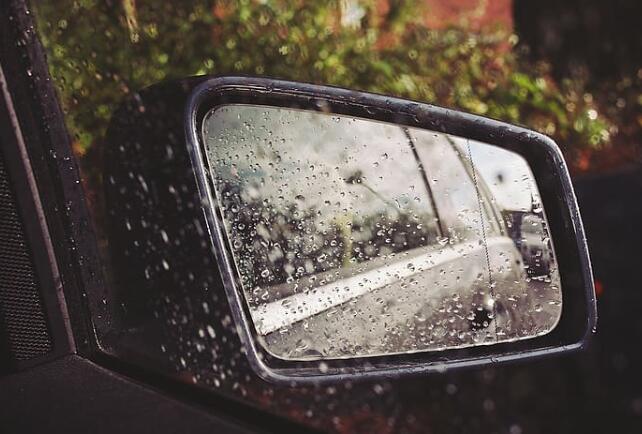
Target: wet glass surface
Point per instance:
(357, 238)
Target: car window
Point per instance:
(462, 202)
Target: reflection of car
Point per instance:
(534, 246)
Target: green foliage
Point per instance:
(101, 51)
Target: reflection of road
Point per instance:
(280, 313)
(427, 316)
(431, 300)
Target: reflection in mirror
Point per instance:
(353, 237)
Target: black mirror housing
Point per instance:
(165, 235)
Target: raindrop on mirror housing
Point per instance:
(276, 197)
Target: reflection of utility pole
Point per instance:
(424, 177)
(536, 207)
(357, 179)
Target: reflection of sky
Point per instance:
(290, 154)
(506, 174)
(300, 154)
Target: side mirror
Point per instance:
(359, 235)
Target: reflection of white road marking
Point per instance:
(272, 316)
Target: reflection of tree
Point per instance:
(274, 245)
(357, 178)
(382, 234)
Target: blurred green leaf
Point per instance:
(135, 44)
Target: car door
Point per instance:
(510, 399)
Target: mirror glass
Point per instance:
(352, 237)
